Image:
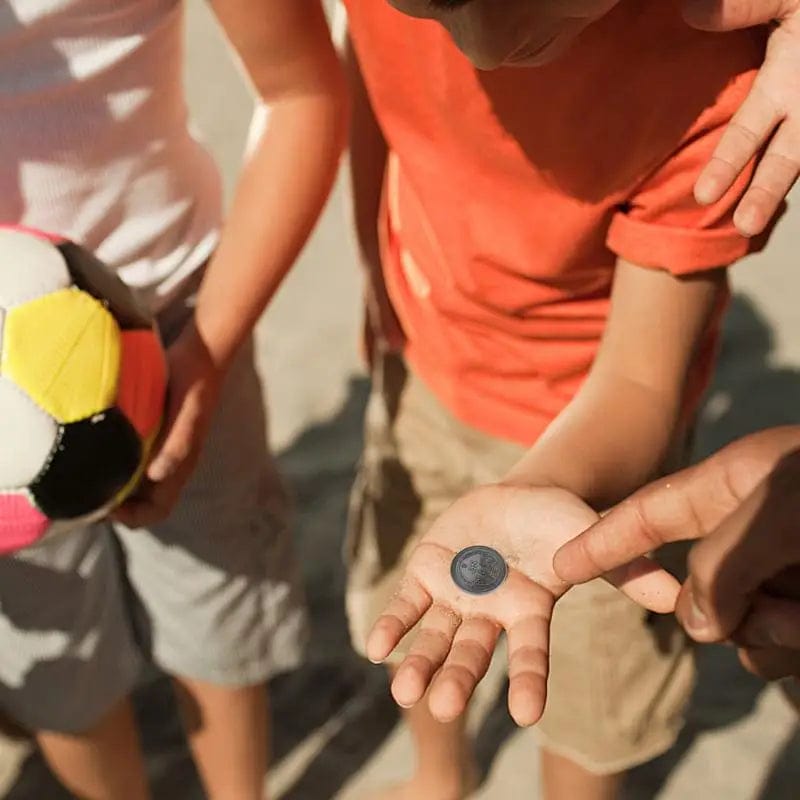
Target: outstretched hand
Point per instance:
(771, 112)
(744, 576)
(459, 631)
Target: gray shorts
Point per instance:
(212, 593)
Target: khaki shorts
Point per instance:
(620, 678)
(211, 593)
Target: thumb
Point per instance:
(727, 15)
(752, 545)
(174, 448)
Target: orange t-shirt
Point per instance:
(509, 195)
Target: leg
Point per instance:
(619, 681)
(67, 658)
(221, 594)
(445, 768)
(417, 460)
(563, 779)
(104, 763)
(227, 730)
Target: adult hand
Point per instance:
(459, 631)
(194, 384)
(770, 113)
(744, 582)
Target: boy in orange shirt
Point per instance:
(552, 301)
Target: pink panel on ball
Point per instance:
(21, 524)
(142, 381)
(51, 237)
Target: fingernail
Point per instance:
(695, 621)
(747, 221)
(160, 470)
(704, 192)
(707, 190)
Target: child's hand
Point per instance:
(771, 110)
(194, 384)
(459, 631)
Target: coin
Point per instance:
(478, 569)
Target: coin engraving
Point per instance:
(478, 569)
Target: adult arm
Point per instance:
(743, 503)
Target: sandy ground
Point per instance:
(336, 732)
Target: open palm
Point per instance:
(459, 631)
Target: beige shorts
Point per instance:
(620, 678)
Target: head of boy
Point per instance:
(495, 33)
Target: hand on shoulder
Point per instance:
(770, 115)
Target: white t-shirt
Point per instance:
(94, 136)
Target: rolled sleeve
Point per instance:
(682, 251)
(662, 226)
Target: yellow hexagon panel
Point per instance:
(63, 349)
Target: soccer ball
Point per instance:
(82, 387)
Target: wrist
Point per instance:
(217, 330)
(192, 349)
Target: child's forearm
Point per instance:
(279, 197)
(618, 430)
(287, 53)
(611, 439)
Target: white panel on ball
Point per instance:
(29, 268)
(28, 436)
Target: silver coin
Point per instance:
(478, 569)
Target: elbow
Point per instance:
(319, 96)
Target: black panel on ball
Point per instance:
(94, 277)
(92, 461)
